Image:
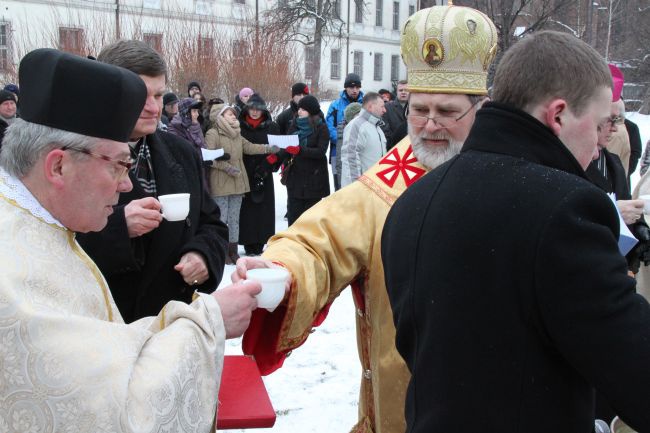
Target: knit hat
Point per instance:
(193, 84)
(246, 91)
(6, 95)
(299, 89)
(12, 88)
(257, 102)
(169, 98)
(351, 111)
(352, 80)
(53, 83)
(225, 107)
(618, 81)
(310, 104)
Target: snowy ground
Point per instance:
(317, 388)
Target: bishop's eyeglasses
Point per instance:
(120, 167)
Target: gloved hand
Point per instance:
(272, 159)
(224, 157)
(207, 164)
(293, 150)
(233, 171)
(273, 149)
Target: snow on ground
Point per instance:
(317, 388)
(643, 122)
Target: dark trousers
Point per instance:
(296, 206)
(253, 249)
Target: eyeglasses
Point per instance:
(121, 168)
(444, 122)
(615, 120)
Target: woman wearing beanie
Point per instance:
(257, 216)
(306, 177)
(228, 179)
(242, 98)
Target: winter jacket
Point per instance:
(257, 215)
(224, 136)
(393, 118)
(307, 176)
(364, 144)
(286, 118)
(181, 125)
(336, 113)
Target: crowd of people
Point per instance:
(474, 228)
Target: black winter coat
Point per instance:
(308, 176)
(510, 299)
(140, 271)
(286, 118)
(394, 118)
(257, 215)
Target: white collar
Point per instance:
(14, 189)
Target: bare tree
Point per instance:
(307, 22)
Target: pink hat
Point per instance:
(618, 80)
(246, 91)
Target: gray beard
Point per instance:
(432, 157)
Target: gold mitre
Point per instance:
(448, 49)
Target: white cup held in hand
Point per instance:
(273, 281)
(175, 207)
(646, 203)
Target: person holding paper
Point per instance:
(305, 166)
(228, 179)
(146, 260)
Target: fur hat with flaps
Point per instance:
(257, 102)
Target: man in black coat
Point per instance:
(510, 297)
(147, 261)
(286, 118)
(395, 116)
(636, 147)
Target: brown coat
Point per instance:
(220, 136)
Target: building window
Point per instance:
(394, 68)
(379, 65)
(152, 4)
(335, 62)
(205, 49)
(243, 2)
(71, 40)
(379, 12)
(309, 62)
(239, 51)
(411, 9)
(358, 11)
(395, 15)
(358, 63)
(153, 40)
(5, 35)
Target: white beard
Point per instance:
(432, 157)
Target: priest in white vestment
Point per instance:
(68, 363)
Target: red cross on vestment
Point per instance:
(400, 164)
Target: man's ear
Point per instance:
(54, 167)
(554, 115)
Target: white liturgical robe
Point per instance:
(68, 363)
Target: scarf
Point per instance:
(254, 123)
(304, 129)
(230, 130)
(143, 168)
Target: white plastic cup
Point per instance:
(646, 203)
(175, 207)
(273, 282)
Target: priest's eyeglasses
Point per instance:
(615, 120)
(444, 122)
(120, 168)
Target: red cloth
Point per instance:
(293, 150)
(272, 158)
(254, 123)
(261, 337)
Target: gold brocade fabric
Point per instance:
(333, 244)
(65, 367)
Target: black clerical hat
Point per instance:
(80, 95)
